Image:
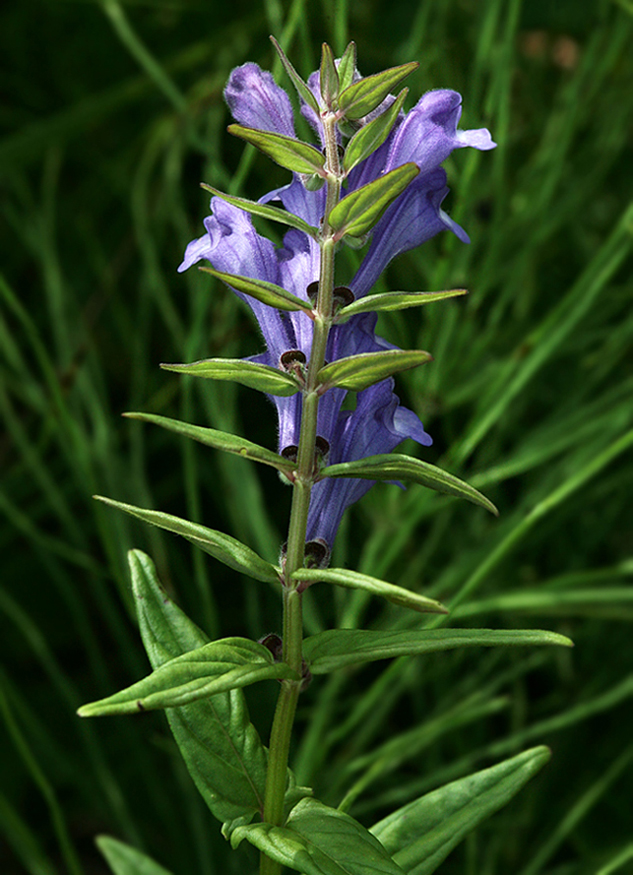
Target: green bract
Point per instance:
(285, 151)
(223, 547)
(256, 376)
(357, 213)
(364, 96)
(360, 371)
(395, 466)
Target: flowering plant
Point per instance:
(376, 179)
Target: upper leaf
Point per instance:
(292, 154)
(358, 212)
(328, 76)
(338, 648)
(262, 290)
(220, 746)
(395, 466)
(271, 380)
(372, 135)
(360, 371)
(353, 580)
(123, 859)
(365, 95)
(421, 834)
(220, 440)
(223, 547)
(393, 301)
(302, 89)
(319, 840)
(216, 667)
(264, 210)
(347, 66)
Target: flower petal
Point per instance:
(256, 101)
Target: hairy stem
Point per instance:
(293, 622)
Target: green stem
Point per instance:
(281, 732)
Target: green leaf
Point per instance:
(223, 547)
(359, 211)
(217, 667)
(302, 89)
(353, 580)
(422, 834)
(262, 377)
(394, 301)
(328, 76)
(265, 211)
(365, 95)
(360, 371)
(338, 648)
(372, 135)
(220, 746)
(347, 66)
(395, 466)
(319, 840)
(267, 293)
(292, 154)
(219, 440)
(126, 860)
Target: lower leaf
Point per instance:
(421, 834)
(125, 860)
(319, 840)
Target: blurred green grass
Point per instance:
(112, 115)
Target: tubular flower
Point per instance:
(426, 136)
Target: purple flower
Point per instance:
(426, 135)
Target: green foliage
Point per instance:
(221, 747)
(267, 293)
(357, 213)
(360, 371)
(397, 595)
(217, 667)
(223, 547)
(365, 96)
(292, 154)
(394, 301)
(318, 840)
(251, 374)
(395, 466)
(109, 123)
(337, 648)
(423, 833)
(124, 860)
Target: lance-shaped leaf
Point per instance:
(328, 76)
(357, 372)
(126, 860)
(395, 466)
(359, 211)
(223, 547)
(292, 154)
(394, 301)
(338, 648)
(220, 746)
(219, 440)
(421, 834)
(217, 667)
(267, 293)
(274, 214)
(353, 580)
(365, 95)
(271, 380)
(371, 136)
(302, 89)
(319, 840)
(347, 66)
